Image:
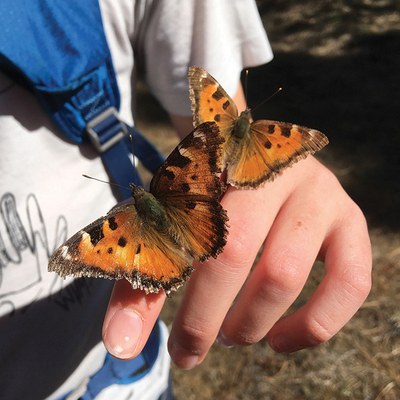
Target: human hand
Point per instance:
(303, 215)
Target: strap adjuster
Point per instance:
(106, 130)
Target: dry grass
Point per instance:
(338, 63)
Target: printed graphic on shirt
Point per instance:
(25, 247)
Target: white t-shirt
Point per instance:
(50, 324)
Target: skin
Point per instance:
(302, 216)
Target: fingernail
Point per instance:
(222, 340)
(122, 333)
(182, 359)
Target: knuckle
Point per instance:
(356, 280)
(317, 332)
(281, 276)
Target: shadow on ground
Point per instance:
(352, 98)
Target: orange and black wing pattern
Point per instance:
(210, 102)
(188, 186)
(271, 147)
(119, 246)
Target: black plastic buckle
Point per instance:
(106, 129)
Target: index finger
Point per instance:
(129, 319)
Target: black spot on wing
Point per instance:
(226, 105)
(191, 205)
(185, 187)
(217, 118)
(96, 233)
(267, 144)
(271, 129)
(176, 159)
(169, 174)
(122, 242)
(217, 95)
(285, 131)
(138, 248)
(112, 224)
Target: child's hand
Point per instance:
(303, 215)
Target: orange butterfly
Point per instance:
(153, 241)
(254, 151)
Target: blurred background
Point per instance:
(338, 63)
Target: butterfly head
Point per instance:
(137, 191)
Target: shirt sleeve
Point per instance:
(223, 36)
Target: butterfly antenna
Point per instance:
(109, 183)
(268, 98)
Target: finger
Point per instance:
(214, 284)
(290, 250)
(129, 319)
(341, 292)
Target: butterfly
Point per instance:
(153, 241)
(254, 151)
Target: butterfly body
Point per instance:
(149, 209)
(153, 241)
(242, 125)
(254, 151)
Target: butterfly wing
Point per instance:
(123, 244)
(118, 246)
(253, 158)
(188, 186)
(270, 147)
(210, 102)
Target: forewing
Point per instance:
(188, 186)
(193, 167)
(209, 101)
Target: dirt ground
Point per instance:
(338, 63)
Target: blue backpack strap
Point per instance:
(65, 60)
